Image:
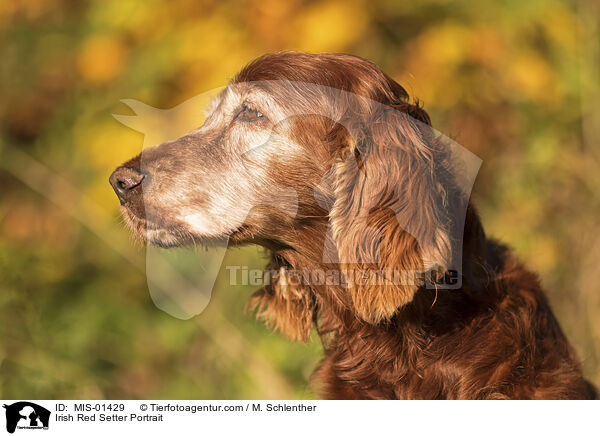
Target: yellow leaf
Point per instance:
(330, 26)
(101, 59)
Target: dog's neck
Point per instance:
(310, 249)
(401, 339)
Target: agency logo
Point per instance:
(26, 415)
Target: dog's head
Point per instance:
(316, 156)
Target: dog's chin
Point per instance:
(170, 236)
(159, 235)
(163, 238)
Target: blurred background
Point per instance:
(514, 82)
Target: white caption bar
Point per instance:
(23, 417)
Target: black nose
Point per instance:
(124, 180)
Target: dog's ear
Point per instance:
(284, 304)
(388, 221)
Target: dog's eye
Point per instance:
(249, 113)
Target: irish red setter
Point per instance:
(324, 160)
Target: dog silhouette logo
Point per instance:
(26, 415)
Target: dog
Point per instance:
(324, 160)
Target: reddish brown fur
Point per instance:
(496, 337)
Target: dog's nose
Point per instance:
(124, 180)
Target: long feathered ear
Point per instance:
(388, 219)
(284, 304)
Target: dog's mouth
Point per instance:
(169, 235)
(153, 233)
